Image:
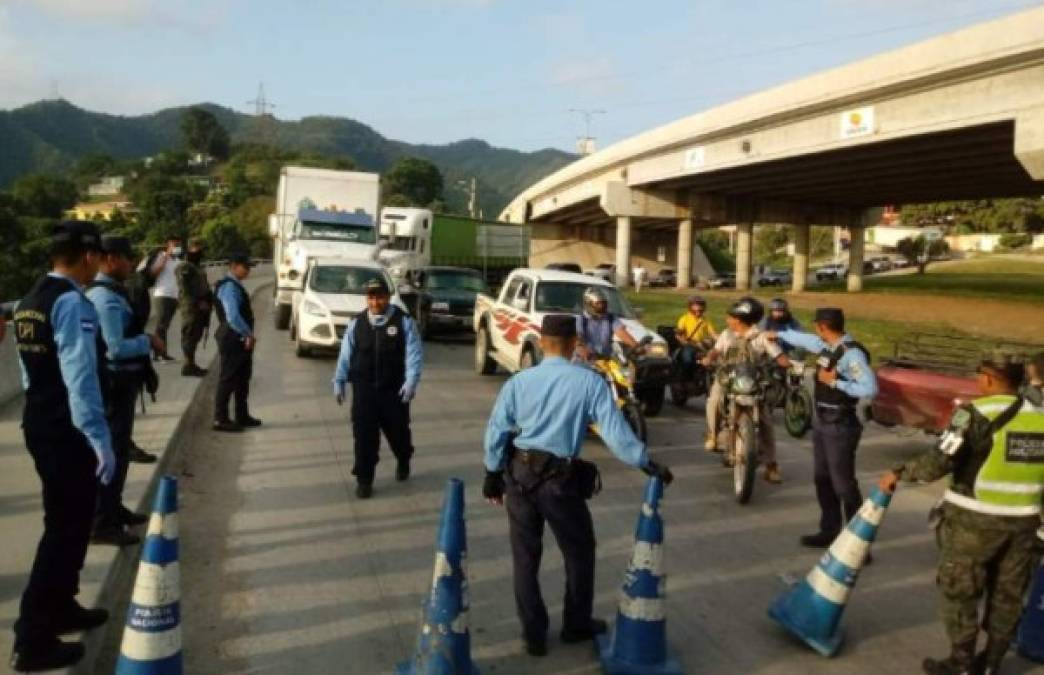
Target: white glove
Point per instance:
(407, 392)
(339, 392)
(106, 465)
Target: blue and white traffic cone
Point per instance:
(1031, 629)
(152, 636)
(444, 642)
(812, 608)
(638, 644)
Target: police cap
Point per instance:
(558, 326)
(116, 245)
(377, 286)
(832, 316)
(81, 234)
(240, 258)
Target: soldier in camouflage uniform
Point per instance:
(196, 301)
(994, 449)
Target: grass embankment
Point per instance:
(994, 277)
(664, 307)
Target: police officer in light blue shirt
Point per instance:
(127, 350)
(843, 376)
(56, 330)
(381, 356)
(236, 340)
(532, 450)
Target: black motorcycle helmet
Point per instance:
(748, 310)
(779, 305)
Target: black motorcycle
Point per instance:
(686, 380)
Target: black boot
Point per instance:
(49, 656)
(988, 661)
(77, 618)
(961, 661)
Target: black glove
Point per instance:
(661, 472)
(493, 486)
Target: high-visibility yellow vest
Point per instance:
(1011, 480)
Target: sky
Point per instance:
(435, 71)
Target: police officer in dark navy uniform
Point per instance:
(56, 329)
(532, 450)
(127, 350)
(381, 356)
(235, 338)
(843, 376)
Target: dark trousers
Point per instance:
(834, 444)
(164, 309)
(123, 392)
(192, 327)
(375, 410)
(66, 465)
(237, 366)
(559, 503)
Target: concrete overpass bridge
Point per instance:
(956, 117)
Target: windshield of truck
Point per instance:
(455, 281)
(400, 243)
(344, 279)
(568, 297)
(360, 234)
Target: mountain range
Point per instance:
(50, 136)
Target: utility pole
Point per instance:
(585, 145)
(471, 187)
(262, 106)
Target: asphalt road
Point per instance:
(285, 571)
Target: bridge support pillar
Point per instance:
(856, 248)
(623, 251)
(685, 253)
(744, 255)
(800, 276)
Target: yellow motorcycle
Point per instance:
(618, 371)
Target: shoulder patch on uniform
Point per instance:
(856, 369)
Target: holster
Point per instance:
(829, 415)
(527, 470)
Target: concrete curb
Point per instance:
(115, 589)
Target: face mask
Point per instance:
(177, 252)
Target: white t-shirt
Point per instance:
(167, 283)
(759, 344)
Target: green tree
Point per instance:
(203, 133)
(221, 237)
(44, 196)
(412, 180)
(919, 251)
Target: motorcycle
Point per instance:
(686, 381)
(618, 371)
(785, 388)
(744, 396)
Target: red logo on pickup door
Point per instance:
(512, 325)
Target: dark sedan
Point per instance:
(447, 298)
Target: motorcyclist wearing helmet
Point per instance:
(779, 319)
(743, 340)
(596, 326)
(694, 330)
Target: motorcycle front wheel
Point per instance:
(678, 394)
(797, 412)
(632, 412)
(744, 471)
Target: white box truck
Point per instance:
(319, 213)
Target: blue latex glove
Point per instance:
(339, 392)
(106, 465)
(407, 392)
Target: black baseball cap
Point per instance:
(117, 244)
(558, 325)
(240, 258)
(83, 234)
(377, 286)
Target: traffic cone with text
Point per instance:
(152, 635)
(812, 608)
(444, 642)
(1031, 629)
(638, 643)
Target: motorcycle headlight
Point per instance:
(657, 349)
(440, 306)
(743, 384)
(799, 367)
(313, 308)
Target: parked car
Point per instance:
(726, 280)
(880, 263)
(831, 272)
(565, 267)
(665, 278)
(447, 298)
(775, 278)
(606, 271)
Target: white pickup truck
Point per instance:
(507, 328)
